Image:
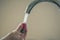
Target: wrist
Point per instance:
(8, 37)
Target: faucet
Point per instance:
(39, 1)
(32, 4)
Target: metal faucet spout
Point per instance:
(38, 1)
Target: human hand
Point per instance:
(18, 34)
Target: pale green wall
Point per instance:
(43, 22)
